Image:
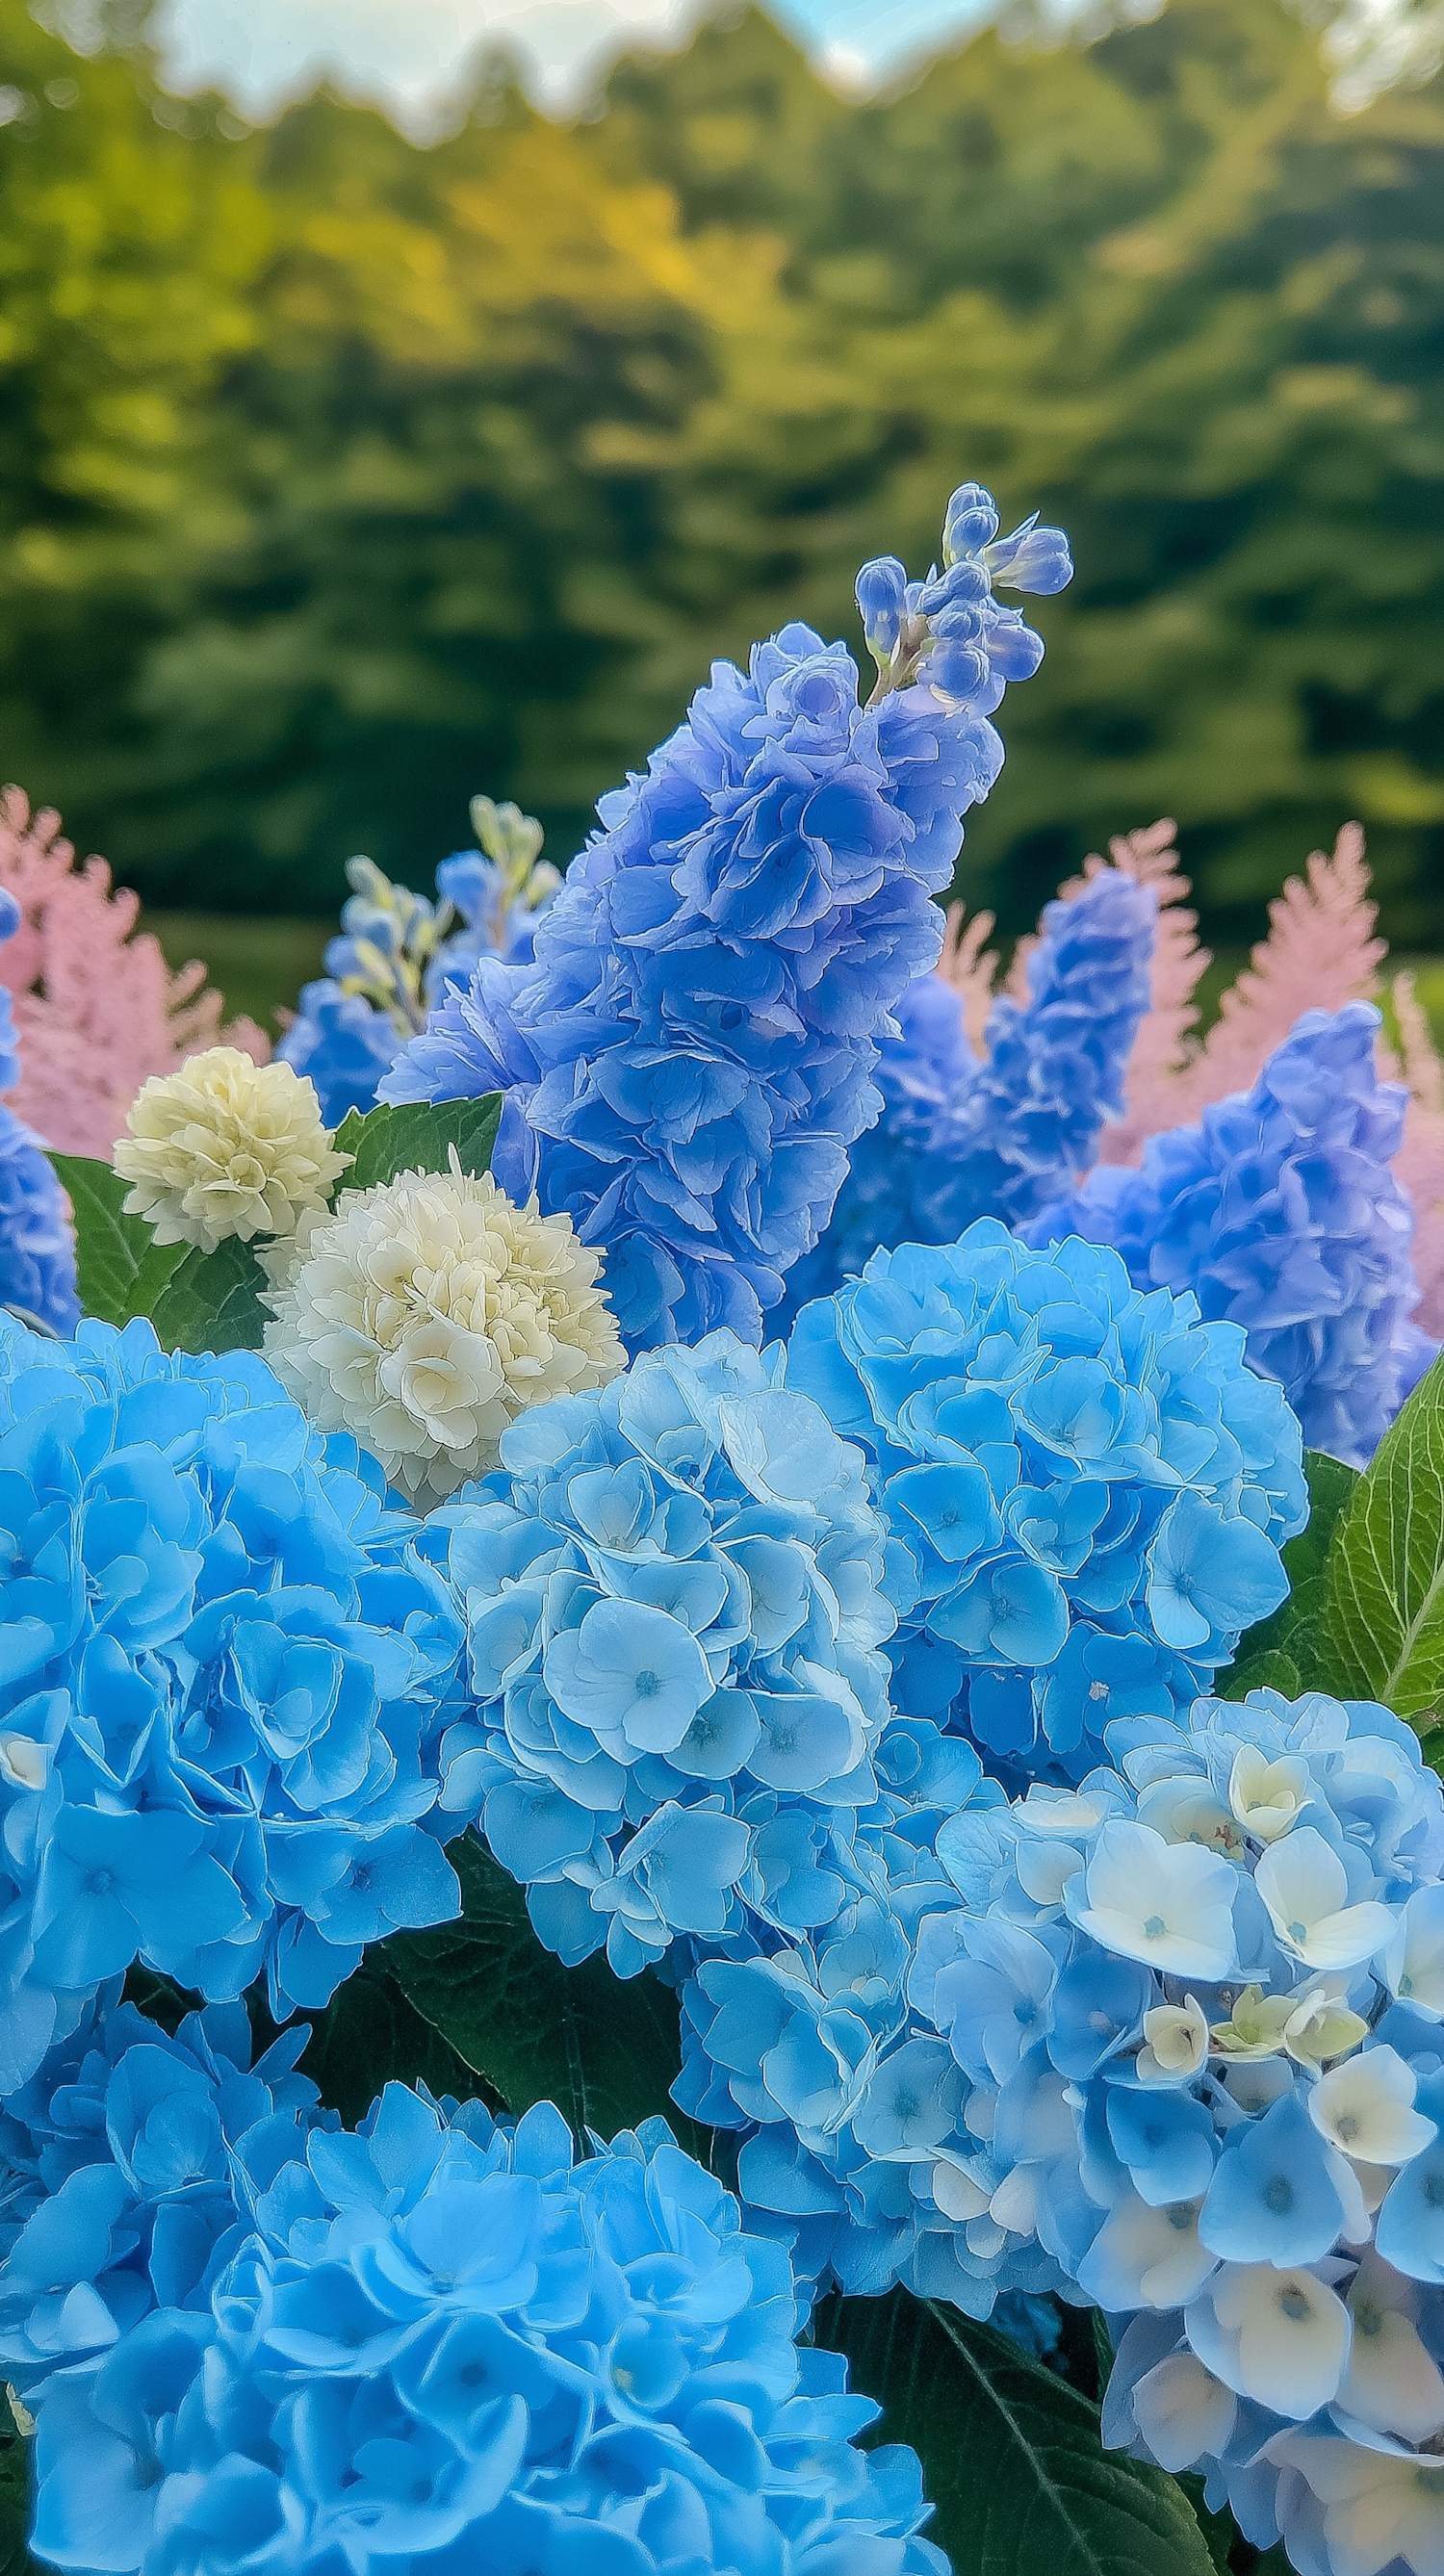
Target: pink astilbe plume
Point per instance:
(1165, 1044)
(1319, 954)
(1419, 1163)
(97, 1008)
(971, 967)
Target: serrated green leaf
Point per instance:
(213, 1301)
(605, 2052)
(418, 1138)
(1011, 2454)
(1384, 1598)
(1293, 1652)
(120, 1269)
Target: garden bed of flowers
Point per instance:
(719, 1671)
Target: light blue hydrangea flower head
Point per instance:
(37, 1248)
(1085, 1488)
(122, 2163)
(690, 1056)
(398, 954)
(220, 1659)
(1196, 2010)
(1279, 1212)
(445, 2344)
(675, 1608)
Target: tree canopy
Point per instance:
(341, 477)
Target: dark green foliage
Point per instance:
(418, 1138)
(1384, 1610)
(1291, 1652)
(212, 1302)
(370, 2035)
(604, 2052)
(15, 2558)
(120, 1269)
(340, 478)
(1011, 2455)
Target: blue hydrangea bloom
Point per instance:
(1279, 1212)
(221, 1660)
(675, 1608)
(120, 2163)
(689, 1059)
(1196, 2017)
(37, 1248)
(443, 2344)
(959, 1139)
(398, 954)
(1085, 1487)
(1173, 2044)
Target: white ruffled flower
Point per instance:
(226, 1147)
(1175, 2043)
(423, 1316)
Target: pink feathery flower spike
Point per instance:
(1320, 953)
(971, 967)
(1165, 1044)
(96, 1006)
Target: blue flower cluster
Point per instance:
(1085, 1488)
(920, 1073)
(220, 1660)
(398, 954)
(689, 1059)
(959, 1139)
(37, 1249)
(438, 2344)
(1279, 1212)
(120, 2165)
(1186, 2032)
(1055, 1067)
(674, 1610)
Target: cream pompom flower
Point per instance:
(226, 1147)
(424, 1315)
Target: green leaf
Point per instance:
(370, 2035)
(15, 2558)
(1384, 1605)
(197, 1301)
(605, 2052)
(1011, 2454)
(1219, 2530)
(213, 1301)
(159, 1998)
(418, 1138)
(120, 1268)
(1292, 1652)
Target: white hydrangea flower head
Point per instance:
(226, 1147)
(424, 1315)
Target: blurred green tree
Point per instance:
(341, 477)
